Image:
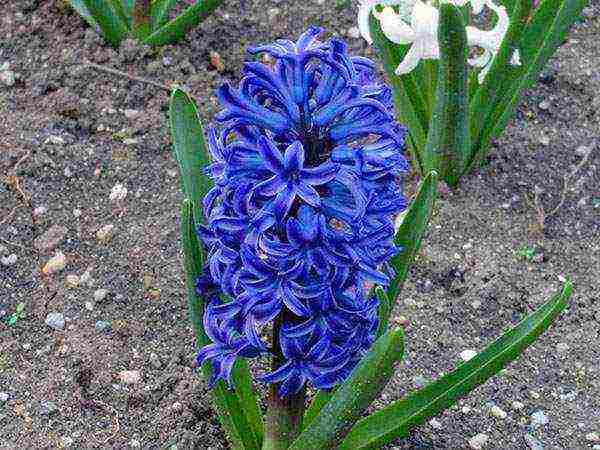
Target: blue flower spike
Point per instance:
(307, 167)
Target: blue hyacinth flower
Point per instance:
(307, 163)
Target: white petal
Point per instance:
(364, 11)
(515, 60)
(410, 61)
(477, 6)
(394, 28)
(425, 18)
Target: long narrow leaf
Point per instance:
(547, 29)
(490, 92)
(160, 12)
(243, 423)
(315, 407)
(178, 27)
(79, 6)
(405, 97)
(448, 142)
(397, 419)
(385, 309)
(411, 232)
(356, 394)
(190, 149)
(109, 20)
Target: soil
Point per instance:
(70, 133)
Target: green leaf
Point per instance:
(489, 94)
(385, 309)
(160, 12)
(354, 396)
(396, 420)
(448, 140)
(79, 6)
(315, 407)
(178, 27)
(190, 149)
(110, 21)
(142, 18)
(544, 33)
(411, 232)
(237, 410)
(409, 102)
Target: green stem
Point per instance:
(284, 415)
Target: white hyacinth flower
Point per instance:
(421, 33)
(490, 41)
(364, 11)
(118, 193)
(477, 5)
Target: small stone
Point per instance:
(534, 395)
(72, 281)
(51, 238)
(435, 424)
(167, 61)
(544, 140)
(544, 105)
(592, 437)
(48, 408)
(129, 49)
(533, 443)
(516, 405)
(562, 347)
(273, 13)
(478, 441)
(498, 412)
(89, 306)
(467, 355)
(54, 140)
(582, 150)
(131, 113)
(130, 376)
(7, 78)
(176, 406)
(76, 213)
(569, 396)
(56, 321)
(105, 234)
(419, 381)
(66, 441)
(475, 304)
(4, 396)
(134, 443)
(39, 211)
(216, 61)
(425, 286)
(86, 278)
(539, 418)
(55, 264)
(353, 32)
(102, 325)
(8, 260)
(467, 246)
(100, 294)
(67, 172)
(465, 410)
(130, 141)
(117, 193)
(155, 361)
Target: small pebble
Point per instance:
(435, 424)
(7, 78)
(539, 418)
(353, 32)
(54, 140)
(216, 61)
(562, 347)
(167, 61)
(4, 397)
(544, 140)
(131, 113)
(134, 443)
(545, 105)
(533, 443)
(39, 211)
(516, 405)
(176, 406)
(89, 306)
(534, 395)
(475, 304)
(102, 325)
(130, 376)
(467, 355)
(72, 281)
(100, 294)
(106, 233)
(55, 264)
(48, 408)
(56, 321)
(582, 150)
(76, 213)
(117, 193)
(478, 441)
(273, 13)
(67, 441)
(592, 437)
(9, 260)
(155, 361)
(419, 381)
(498, 412)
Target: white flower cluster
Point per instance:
(416, 22)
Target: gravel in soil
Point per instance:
(101, 354)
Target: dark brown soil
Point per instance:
(68, 129)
